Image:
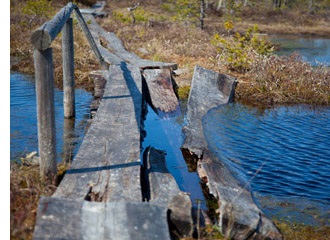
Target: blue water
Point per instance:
(23, 118)
(165, 134)
(283, 152)
(313, 50)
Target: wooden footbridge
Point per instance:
(109, 192)
(114, 189)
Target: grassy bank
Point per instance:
(161, 33)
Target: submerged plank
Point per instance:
(111, 147)
(60, 218)
(160, 187)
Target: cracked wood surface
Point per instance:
(63, 218)
(107, 165)
(239, 216)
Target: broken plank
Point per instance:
(239, 216)
(111, 147)
(208, 90)
(61, 218)
(160, 187)
(161, 94)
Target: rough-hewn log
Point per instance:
(44, 75)
(208, 90)
(43, 36)
(68, 70)
(161, 94)
(160, 187)
(60, 218)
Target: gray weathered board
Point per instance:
(111, 147)
(160, 187)
(160, 90)
(239, 217)
(113, 51)
(61, 218)
(208, 90)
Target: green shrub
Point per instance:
(38, 8)
(237, 52)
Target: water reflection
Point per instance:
(23, 119)
(287, 146)
(165, 134)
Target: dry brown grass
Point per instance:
(278, 80)
(25, 191)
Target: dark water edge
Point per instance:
(283, 152)
(23, 119)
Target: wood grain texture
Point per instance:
(42, 37)
(44, 75)
(161, 93)
(61, 218)
(107, 165)
(209, 89)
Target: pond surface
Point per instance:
(23, 119)
(313, 50)
(283, 152)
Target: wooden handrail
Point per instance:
(42, 37)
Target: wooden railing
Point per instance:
(41, 39)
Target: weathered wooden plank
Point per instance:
(208, 90)
(107, 165)
(95, 30)
(115, 52)
(42, 37)
(60, 218)
(239, 217)
(160, 90)
(160, 187)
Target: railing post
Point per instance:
(68, 70)
(44, 74)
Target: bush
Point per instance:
(238, 52)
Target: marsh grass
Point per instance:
(286, 80)
(26, 188)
